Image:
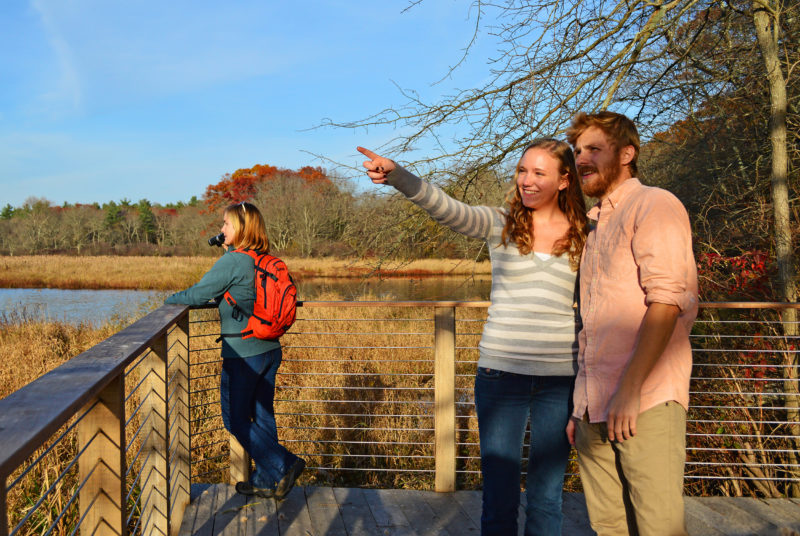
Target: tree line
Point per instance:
(308, 212)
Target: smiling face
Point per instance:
(599, 163)
(539, 179)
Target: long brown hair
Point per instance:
(246, 220)
(519, 219)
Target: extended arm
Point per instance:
(475, 222)
(212, 285)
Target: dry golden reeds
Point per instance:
(172, 273)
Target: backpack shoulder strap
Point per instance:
(227, 296)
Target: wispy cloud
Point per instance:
(113, 53)
(66, 92)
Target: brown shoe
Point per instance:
(287, 482)
(246, 488)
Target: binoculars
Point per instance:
(217, 240)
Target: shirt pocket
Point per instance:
(616, 254)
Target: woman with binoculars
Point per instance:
(249, 365)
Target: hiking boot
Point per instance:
(246, 488)
(287, 482)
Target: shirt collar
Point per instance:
(616, 197)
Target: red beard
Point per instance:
(606, 176)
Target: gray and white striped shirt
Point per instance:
(533, 324)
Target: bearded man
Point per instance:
(638, 300)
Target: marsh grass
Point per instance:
(170, 273)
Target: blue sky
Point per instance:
(103, 100)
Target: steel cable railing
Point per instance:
(345, 365)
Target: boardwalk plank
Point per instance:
(450, 512)
(471, 503)
(522, 516)
(384, 510)
(370, 512)
(702, 520)
(355, 512)
(293, 518)
(739, 519)
(576, 517)
(324, 512)
(790, 508)
(768, 509)
(206, 512)
(229, 521)
(421, 516)
(190, 518)
(261, 517)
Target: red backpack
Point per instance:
(276, 298)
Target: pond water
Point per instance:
(75, 306)
(97, 306)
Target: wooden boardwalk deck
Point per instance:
(317, 511)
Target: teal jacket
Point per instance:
(235, 273)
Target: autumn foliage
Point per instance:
(735, 277)
(242, 184)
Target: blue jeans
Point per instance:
(505, 402)
(247, 391)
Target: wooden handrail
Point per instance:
(35, 412)
(749, 305)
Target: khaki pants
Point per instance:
(635, 487)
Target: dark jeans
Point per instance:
(505, 402)
(247, 390)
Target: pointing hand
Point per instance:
(377, 166)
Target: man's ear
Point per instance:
(626, 155)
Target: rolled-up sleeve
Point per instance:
(662, 249)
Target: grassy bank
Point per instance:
(169, 273)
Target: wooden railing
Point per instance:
(88, 394)
(126, 402)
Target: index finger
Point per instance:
(366, 152)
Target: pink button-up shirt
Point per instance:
(640, 252)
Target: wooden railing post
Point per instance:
(444, 398)
(102, 464)
(178, 433)
(154, 481)
(239, 462)
(3, 508)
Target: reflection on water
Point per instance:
(97, 306)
